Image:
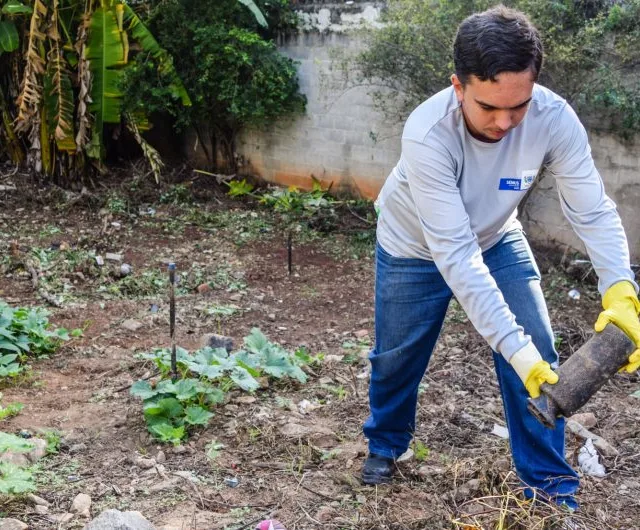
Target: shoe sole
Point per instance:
(374, 480)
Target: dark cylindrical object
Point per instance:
(582, 375)
(172, 319)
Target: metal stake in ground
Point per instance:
(289, 253)
(172, 318)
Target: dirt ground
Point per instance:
(296, 450)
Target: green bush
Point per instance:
(231, 69)
(25, 332)
(591, 55)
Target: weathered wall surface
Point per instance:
(619, 165)
(343, 140)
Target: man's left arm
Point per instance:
(594, 218)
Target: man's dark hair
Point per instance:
(494, 41)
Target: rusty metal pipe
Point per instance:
(582, 375)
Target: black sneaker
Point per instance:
(378, 469)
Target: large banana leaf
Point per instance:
(148, 43)
(106, 55)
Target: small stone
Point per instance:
(231, 482)
(179, 450)
(111, 256)
(99, 261)
(165, 485)
(213, 340)
(111, 519)
(37, 501)
(12, 524)
(247, 400)
(203, 288)
(18, 459)
(161, 458)
(236, 297)
(586, 419)
(361, 333)
(78, 448)
(39, 451)
(61, 518)
(40, 509)
(131, 325)
(272, 317)
(333, 358)
(81, 503)
(259, 297)
(125, 270)
(145, 463)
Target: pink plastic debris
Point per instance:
(270, 524)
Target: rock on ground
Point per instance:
(12, 524)
(81, 503)
(117, 520)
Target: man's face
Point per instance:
(492, 108)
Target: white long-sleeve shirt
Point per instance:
(452, 196)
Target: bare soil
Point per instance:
(298, 465)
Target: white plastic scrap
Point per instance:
(500, 431)
(588, 460)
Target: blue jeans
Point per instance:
(411, 299)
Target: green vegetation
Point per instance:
(25, 333)
(15, 479)
(229, 65)
(173, 408)
(592, 51)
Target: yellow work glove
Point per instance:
(621, 308)
(532, 369)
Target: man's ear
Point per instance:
(458, 87)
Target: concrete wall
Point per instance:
(619, 164)
(343, 141)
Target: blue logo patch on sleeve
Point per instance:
(510, 184)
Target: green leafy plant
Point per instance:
(420, 450)
(25, 332)
(230, 66)
(14, 479)
(171, 409)
(12, 409)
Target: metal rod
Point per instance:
(172, 319)
(289, 253)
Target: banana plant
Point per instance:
(75, 55)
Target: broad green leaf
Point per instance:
(256, 341)
(142, 389)
(254, 372)
(166, 386)
(8, 358)
(168, 433)
(106, 54)
(185, 389)
(14, 7)
(247, 359)
(297, 373)
(215, 397)
(276, 362)
(211, 372)
(14, 479)
(171, 407)
(196, 415)
(10, 442)
(6, 345)
(243, 379)
(9, 39)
